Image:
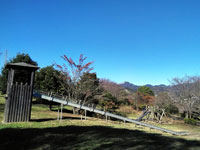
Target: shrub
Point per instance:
(190, 121)
(171, 109)
(142, 106)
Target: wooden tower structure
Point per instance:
(19, 92)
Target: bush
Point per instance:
(190, 121)
(171, 109)
(142, 107)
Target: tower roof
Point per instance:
(22, 65)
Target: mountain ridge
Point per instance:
(156, 88)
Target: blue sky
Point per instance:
(140, 41)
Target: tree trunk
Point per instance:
(50, 106)
(190, 114)
(136, 105)
(187, 114)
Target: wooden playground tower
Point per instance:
(19, 92)
(156, 113)
(153, 113)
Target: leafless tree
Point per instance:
(112, 87)
(185, 93)
(162, 99)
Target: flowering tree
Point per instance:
(76, 70)
(71, 73)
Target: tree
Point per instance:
(71, 73)
(113, 88)
(109, 102)
(46, 79)
(185, 93)
(113, 95)
(88, 87)
(4, 74)
(164, 101)
(144, 95)
(146, 91)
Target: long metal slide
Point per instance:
(93, 109)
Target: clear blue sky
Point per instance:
(140, 41)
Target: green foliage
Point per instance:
(18, 77)
(190, 121)
(124, 102)
(171, 109)
(47, 79)
(23, 58)
(3, 80)
(108, 102)
(109, 97)
(146, 91)
(142, 106)
(88, 87)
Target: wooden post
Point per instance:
(73, 110)
(85, 114)
(11, 74)
(61, 112)
(163, 112)
(58, 118)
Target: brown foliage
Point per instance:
(75, 70)
(145, 99)
(71, 73)
(111, 87)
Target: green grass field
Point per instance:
(45, 132)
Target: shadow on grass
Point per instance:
(49, 119)
(64, 110)
(42, 120)
(89, 137)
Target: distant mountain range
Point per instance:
(156, 88)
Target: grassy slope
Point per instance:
(45, 132)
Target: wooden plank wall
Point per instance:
(18, 103)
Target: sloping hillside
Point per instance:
(156, 88)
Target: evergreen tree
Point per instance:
(88, 86)
(47, 79)
(146, 91)
(4, 74)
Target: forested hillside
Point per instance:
(156, 88)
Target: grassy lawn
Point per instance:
(45, 132)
